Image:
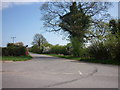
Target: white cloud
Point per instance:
(4, 5)
(10, 3)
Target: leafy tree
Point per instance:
(108, 45)
(35, 49)
(76, 23)
(58, 49)
(99, 33)
(113, 39)
(39, 40)
(46, 48)
(75, 18)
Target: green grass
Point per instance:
(66, 57)
(113, 62)
(16, 58)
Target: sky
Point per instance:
(23, 21)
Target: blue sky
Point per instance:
(23, 22)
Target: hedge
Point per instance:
(14, 51)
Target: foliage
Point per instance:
(99, 51)
(108, 45)
(113, 45)
(90, 60)
(98, 32)
(57, 49)
(10, 44)
(35, 49)
(13, 50)
(46, 48)
(38, 43)
(53, 11)
(39, 40)
(76, 23)
(77, 46)
(74, 18)
(113, 62)
(114, 26)
(109, 49)
(80, 20)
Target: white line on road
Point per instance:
(68, 73)
(80, 72)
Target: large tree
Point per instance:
(75, 18)
(39, 40)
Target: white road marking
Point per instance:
(80, 72)
(68, 73)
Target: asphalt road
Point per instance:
(51, 72)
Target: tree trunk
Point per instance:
(77, 46)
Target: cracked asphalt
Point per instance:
(51, 72)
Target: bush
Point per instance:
(14, 51)
(113, 45)
(10, 44)
(99, 51)
(57, 49)
(5, 52)
(35, 49)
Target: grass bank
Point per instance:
(66, 57)
(16, 58)
(113, 62)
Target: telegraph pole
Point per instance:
(13, 38)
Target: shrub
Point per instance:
(13, 50)
(57, 49)
(10, 44)
(5, 52)
(113, 45)
(99, 51)
(35, 49)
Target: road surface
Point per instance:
(51, 72)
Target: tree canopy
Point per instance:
(75, 18)
(53, 11)
(39, 40)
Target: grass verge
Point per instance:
(66, 57)
(113, 62)
(16, 58)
